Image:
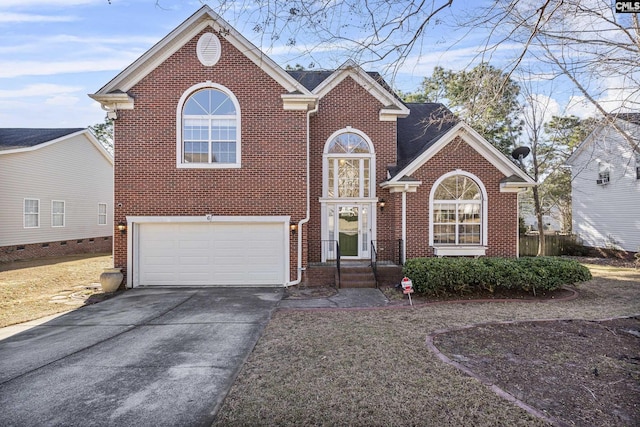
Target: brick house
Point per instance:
(230, 170)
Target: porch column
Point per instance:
(404, 187)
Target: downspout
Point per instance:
(404, 224)
(308, 214)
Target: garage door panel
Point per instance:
(209, 254)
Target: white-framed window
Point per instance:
(208, 128)
(102, 214)
(349, 165)
(458, 211)
(31, 213)
(604, 173)
(57, 213)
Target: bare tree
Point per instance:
(369, 30)
(585, 43)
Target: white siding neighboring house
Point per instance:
(56, 193)
(605, 187)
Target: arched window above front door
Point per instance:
(348, 166)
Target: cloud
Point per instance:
(12, 69)
(7, 4)
(7, 17)
(38, 90)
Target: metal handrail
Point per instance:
(374, 261)
(329, 249)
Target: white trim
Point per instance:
(459, 251)
(371, 204)
(348, 129)
(64, 213)
(87, 134)
(133, 235)
(475, 140)
(484, 203)
(176, 39)
(353, 70)
(208, 49)
(24, 212)
(179, 137)
(106, 213)
(326, 157)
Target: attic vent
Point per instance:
(208, 49)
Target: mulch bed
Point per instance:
(545, 365)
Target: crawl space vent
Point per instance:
(208, 49)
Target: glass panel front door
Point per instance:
(348, 230)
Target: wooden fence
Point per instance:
(554, 244)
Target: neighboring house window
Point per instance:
(102, 214)
(31, 213)
(603, 174)
(210, 128)
(637, 165)
(57, 213)
(348, 157)
(457, 211)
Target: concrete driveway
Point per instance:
(161, 357)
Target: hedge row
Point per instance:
(441, 276)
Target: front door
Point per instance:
(351, 224)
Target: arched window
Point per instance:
(209, 135)
(458, 211)
(348, 165)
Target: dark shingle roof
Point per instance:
(426, 123)
(14, 138)
(629, 117)
(311, 79)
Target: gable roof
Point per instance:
(16, 138)
(313, 78)
(516, 177)
(20, 140)
(632, 118)
(114, 92)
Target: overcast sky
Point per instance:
(55, 52)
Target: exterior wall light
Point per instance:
(122, 226)
(381, 204)
(294, 229)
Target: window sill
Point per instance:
(459, 250)
(208, 165)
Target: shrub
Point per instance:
(441, 276)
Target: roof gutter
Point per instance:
(308, 215)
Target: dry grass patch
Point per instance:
(373, 368)
(33, 289)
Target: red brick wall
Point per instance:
(91, 245)
(502, 207)
(349, 104)
(271, 180)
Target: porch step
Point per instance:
(360, 276)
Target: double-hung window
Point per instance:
(57, 213)
(457, 212)
(102, 214)
(31, 213)
(604, 174)
(210, 130)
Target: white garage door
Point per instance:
(210, 254)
